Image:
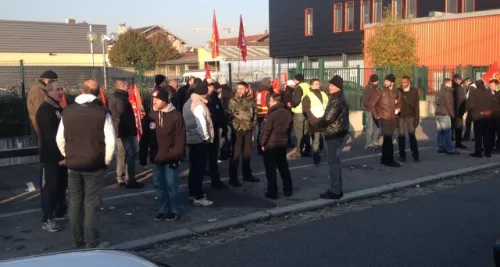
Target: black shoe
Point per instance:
(393, 164)
(219, 185)
(403, 158)
(476, 155)
(159, 217)
(461, 146)
(488, 155)
(288, 194)
(452, 153)
(134, 185)
(170, 217)
(441, 151)
(234, 183)
(416, 157)
(270, 196)
(251, 179)
(329, 195)
(206, 173)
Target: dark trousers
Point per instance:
(458, 125)
(334, 148)
(497, 133)
(53, 193)
(85, 190)
(242, 147)
(259, 146)
(484, 136)
(213, 158)
(198, 154)
(468, 127)
(388, 127)
(301, 128)
(407, 125)
(276, 158)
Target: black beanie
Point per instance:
(48, 75)
(299, 77)
(200, 89)
(374, 78)
(391, 78)
(161, 94)
(159, 79)
(338, 82)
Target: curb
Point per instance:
(148, 242)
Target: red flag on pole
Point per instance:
(63, 103)
(242, 43)
(492, 73)
(102, 95)
(215, 38)
(135, 101)
(207, 71)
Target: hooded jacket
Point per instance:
(275, 127)
(48, 118)
(199, 125)
(164, 135)
(244, 112)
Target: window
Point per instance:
(468, 5)
(411, 9)
(365, 12)
(397, 8)
(349, 16)
(308, 22)
(451, 6)
(337, 18)
(377, 11)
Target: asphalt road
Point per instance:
(452, 227)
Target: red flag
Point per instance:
(242, 43)
(492, 73)
(135, 101)
(215, 38)
(63, 103)
(103, 98)
(207, 71)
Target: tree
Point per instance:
(164, 50)
(131, 50)
(392, 45)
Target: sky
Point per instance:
(173, 15)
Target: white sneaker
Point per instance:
(204, 202)
(51, 226)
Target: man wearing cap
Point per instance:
(55, 178)
(387, 110)
(334, 125)
(299, 122)
(409, 118)
(459, 105)
(164, 137)
(370, 98)
(262, 98)
(36, 97)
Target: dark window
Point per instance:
(308, 22)
(337, 18)
(349, 16)
(397, 8)
(366, 10)
(451, 6)
(377, 10)
(468, 5)
(411, 9)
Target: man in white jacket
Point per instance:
(86, 138)
(199, 136)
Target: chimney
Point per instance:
(122, 28)
(70, 21)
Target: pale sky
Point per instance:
(179, 16)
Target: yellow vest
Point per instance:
(318, 107)
(305, 91)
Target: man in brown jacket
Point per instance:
(387, 110)
(274, 141)
(36, 96)
(409, 118)
(444, 117)
(370, 98)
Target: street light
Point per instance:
(91, 37)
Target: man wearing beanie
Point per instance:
(370, 98)
(35, 98)
(409, 118)
(160, 81)
(262, 98)
(164, 136)
(300, 124)
(199, 136)
(334, 125)
(387, 110)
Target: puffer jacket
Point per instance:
(275, 127)
(444, 102)
(387, 104)
(335, 122)
(243, 112)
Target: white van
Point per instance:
(197, 74)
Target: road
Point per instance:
(452, 223)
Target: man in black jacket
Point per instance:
(126, 131)
(335, 127)
(459, 105)
(274, 141)
(181, 93)
(55, 180)
(409, 118)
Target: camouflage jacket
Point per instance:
(243, 112)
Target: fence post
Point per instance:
(444, 72)
(321, 70)
(274, 67)
(468, 72)
(425, 79)
(23, 95)
(230, 70)
(299, 67)
(141, 73)
(358, 74)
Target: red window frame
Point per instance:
(306, 22)
(335, 8)
(473, 6)
(362, 16)
(374, 10)
(446, 6)
(407, 9)
(347, 16)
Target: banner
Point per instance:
(136, 102)
(242, 43)
(215, 37)
(492, 73)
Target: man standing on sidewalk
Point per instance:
(314, 105)
(36, 96)
(262, 98)
(469, 90)
(165, 138)
(459, 97)
(409, 118)
(274, 141)
(126, 132)
(387, 110)
(335, 126)
(370, 98)
(299, 122)
(55, 178)
(199, 136)
(244, 114)
(444, 116)
(86, 138)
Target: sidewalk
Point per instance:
(128, 215)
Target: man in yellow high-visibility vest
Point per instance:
(300, 125)
(314, 105)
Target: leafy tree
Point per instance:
(131, 50)
(163, 48)
(392, 45)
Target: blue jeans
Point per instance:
(444, 128)
(166, 182)
(372, 131)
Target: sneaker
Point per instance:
(62, 218)
(191, 198)
(416, 157)
(329, 195)
(203, 202)
(159, 217)
(403, 158)
(134, 185)
(51, 226)
(170, 217)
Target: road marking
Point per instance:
(17, 213)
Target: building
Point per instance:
(252, 40)
(175, 68)
(152, 30)
(50, 42)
